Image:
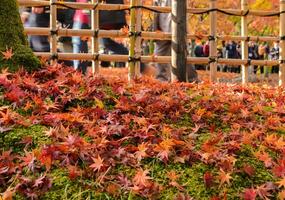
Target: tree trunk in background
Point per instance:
(179, 40)
(12, 36)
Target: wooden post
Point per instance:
(282, 44)
(244, 44)
(213, 43)
(179, 40)
(95, 39)
(53, 30)
(138, 46)
(132, 40)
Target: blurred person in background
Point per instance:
(113, 20)
(263, 51)
(232, 53)
(40, 17)
(81, 20)
(253, 53)
(65, 17)
(162, 22)
(37, 17)
(198, 52)
(274, 55)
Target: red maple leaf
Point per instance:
(208, 179)
(249, 170)
(7, 55)
(15, 94)
(124, 181)
(28, 160)
(73, 172)
(279, 169)
(249, 194)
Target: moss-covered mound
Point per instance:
(12, 38)
(65, 136)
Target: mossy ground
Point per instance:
(114, 118)
(190, 176)
(14, 139)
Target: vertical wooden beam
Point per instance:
(179, 40)
(132, 38)
(244, 44)
(138, 46)
(213, 43)
(53, 30)
(95, 39)
(282, 44)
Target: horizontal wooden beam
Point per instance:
(156, 59)
(145, 35)
(101, 6)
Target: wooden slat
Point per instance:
(145, 35)
(138, 46)
(90, 6)
(53, 28)
(282, 44)
(213, 43)
(158, 59)
(132, 73)
(95, 39)
(244, 44)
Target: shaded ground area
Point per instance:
(64, 136)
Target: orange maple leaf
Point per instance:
(7, 55)
(141, 153)
(281, 183)
(98, 163)
(224, 177)
(141, 178)
(125, 30)
(8, 194)
(281, 195)
(4, 73)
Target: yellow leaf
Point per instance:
(99, 103)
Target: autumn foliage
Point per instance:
(101, 137)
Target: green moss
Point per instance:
(109, 101)
(62, 186)
(241, 180)
(13, 138)
(66, 189)
(191, 178)
(184, 121)
(12, 36)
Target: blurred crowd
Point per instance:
(76, 19)
(116, 20)
(232, 50)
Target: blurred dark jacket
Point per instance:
(112, 19)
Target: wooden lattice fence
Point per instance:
(135, 34)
